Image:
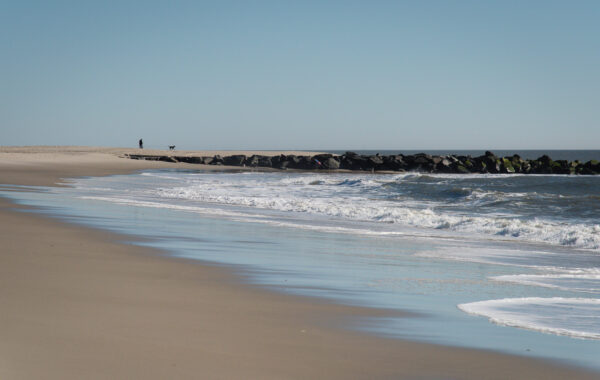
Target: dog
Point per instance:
(171, 147)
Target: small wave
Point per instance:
(359, 208)
(158, 175)
(350, 182)
(583, 280)
(573, 317)
(134, 202)
(437, 203)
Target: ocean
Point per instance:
(509, 263)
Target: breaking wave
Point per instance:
(574, 317)
(457, 204)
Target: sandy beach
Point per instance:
(79, 303)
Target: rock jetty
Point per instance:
(421, 162)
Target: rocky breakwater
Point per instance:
(421, 162)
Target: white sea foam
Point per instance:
(585, 280)
(574, 317)
(350, 199)
(439, 204)
(134, 202)
(509, 256)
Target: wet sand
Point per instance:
(77, 303)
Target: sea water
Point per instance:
(502, 262)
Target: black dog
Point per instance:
(171, 147)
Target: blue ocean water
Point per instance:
(502, 262)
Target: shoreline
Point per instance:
(80, 303)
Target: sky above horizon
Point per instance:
(301, 75)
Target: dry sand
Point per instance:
(77, 304)
(46, 165)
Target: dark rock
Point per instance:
(265, 161)
(217, 160)
(252, 161)
(353, 162)
(591, 167)
(561, 167)
(292, 162)
(375, 160)
(488, 163)
(277, 160)
(167, 159)
(422, 160)
(235, 160)
(394, 163)
(506, 166)
(307, 163)
(331, 164)
(479, 165)
(444, 166)
(189, 160)
(326, 161)
(323, 157)
(545, 160)
(517, 163)
(461, 169)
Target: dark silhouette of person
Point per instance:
(141, 144)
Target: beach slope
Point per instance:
(79, 303)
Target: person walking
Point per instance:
(141, 144)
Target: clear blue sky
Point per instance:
(301, 75)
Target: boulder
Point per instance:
(217, 160)
(307, 163)
(506, 166)
(444, 166)
(395, 163)
(331, 164)
(323, 157)
(375, 160)
(167, 159)
(422, 160)
(235, 160)
(190, 160)
(265, 161)
(490, 155)
(591, 167)
(353, 162)
(277, 160)
(461, 169)
(291, 161)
